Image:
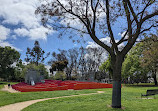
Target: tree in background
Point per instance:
(59, 65)
(97, 18)
(60, 75)
(67, 60)
(40, 69)
(132, 68)
(36, 54)
(107, 67)
(72, 56)
(59, 61)
(150, 55)
(94, 58)
(7, 57)
(18, 71)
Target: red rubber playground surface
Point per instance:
(53, 85)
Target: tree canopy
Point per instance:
(132, 68)
(149, 57)
(7, 57)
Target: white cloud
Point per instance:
(21, 32)
(14, 37)
(94, 45)
(22, 13)
(103, 52)
(39, 33)
(35, 33)
(106, 41)
(104, 55)
(123, 34)
(4, 32)
(4, 43)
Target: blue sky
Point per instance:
(20, 27)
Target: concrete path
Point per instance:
(9, 89)
(21, 105)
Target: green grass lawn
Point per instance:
(131, 100)
(9, 98)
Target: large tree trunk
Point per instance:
(116, 92)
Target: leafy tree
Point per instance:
(107, 67)
(99, 75)
(132, 65)
(150, 55)
(97, 18)
(59, 61)
(60, 75)
(59, 65)
(67, 60)
(18, 71)
(40, 69)
(7, 57)
(36, 54)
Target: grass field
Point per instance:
(9, 98)
(131, 100)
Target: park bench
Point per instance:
(150, 92)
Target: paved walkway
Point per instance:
(21, 105)
(9, 89)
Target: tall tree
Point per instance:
(36, 54)
(59, 61)
(82, 62)
(150, 55)
(94, 58)
(72, 56)
(94, 16)
(7, 57)
(59, 65)
(132, 67)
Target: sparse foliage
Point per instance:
(36, 54)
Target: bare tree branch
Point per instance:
(128, 19)
(123, 38)
(149, 16)
(109, 27)
(147, 28)
(133, 13)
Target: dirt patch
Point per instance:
(100, 91)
